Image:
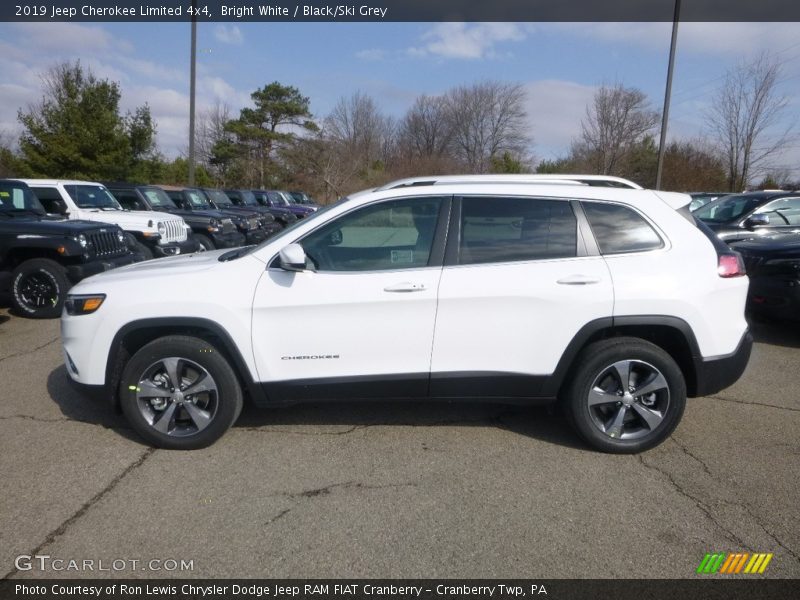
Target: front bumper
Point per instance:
(175, 248)
(776, 297)
(255, 236)
(232, 239)
(84, 270)
(715, 374)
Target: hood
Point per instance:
(779, 243)
(30, 225)
(146, 272)
(128, 219)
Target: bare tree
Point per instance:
(487, 120)
(362, 131)
(617, 120)
(744, 117)
(425, 131)
(211, 130)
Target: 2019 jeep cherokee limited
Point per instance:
(612, 301)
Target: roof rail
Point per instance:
(539, 178)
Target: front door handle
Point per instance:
(405, 286)
(578, 280)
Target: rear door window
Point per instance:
(516, 229)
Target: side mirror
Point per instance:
(292, 258)
(754, 221)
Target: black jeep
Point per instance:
(41, 257)
(220, 200)
(246, 198)
(211, 228)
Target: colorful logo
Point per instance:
(734, 563)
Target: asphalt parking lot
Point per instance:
(396, 490)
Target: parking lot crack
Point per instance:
(691, 455)
(702, 506)
(278, 516)
(324, 491)
(26, 352)
(62, 528)
(721, 399)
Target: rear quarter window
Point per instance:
(619, 229)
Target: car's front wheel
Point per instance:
(626, 395)
(39, 287)
(179, 392)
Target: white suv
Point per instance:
(162, 235)
(612, 301)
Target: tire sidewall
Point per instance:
(198, 351)
(600, 356)
(205, 243)
(55, 273)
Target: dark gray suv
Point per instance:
(753, 214)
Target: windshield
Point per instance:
(277, 199)
(16, 197)
(92, 196)
(158, 197)
(218, 197)
(249, 198)
(727, 209)
(197, 199)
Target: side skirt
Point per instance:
(504, 388)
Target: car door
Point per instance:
(521, 278)
(359, 322)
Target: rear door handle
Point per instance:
(405, 286)
(578, 280)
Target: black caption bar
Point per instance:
(399, 10)
(423, 589)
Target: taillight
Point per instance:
(731, 265)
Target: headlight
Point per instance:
(81, 239)
(213, 225)
(83, 304)
(243, 223)
(121, 237)
(162, 229)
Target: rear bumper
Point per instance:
(175, 248)
(84, 270)
(232, 239)
(717, 373)
(777, 297)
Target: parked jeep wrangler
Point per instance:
(164, 235)
(210, 228)
(40, 257)
(220, 200)
(246, 198)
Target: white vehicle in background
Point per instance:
(611, 300)
(151, 235)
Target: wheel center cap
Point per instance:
(627, 399)
(177, 397)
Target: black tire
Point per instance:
(38, 288)
(143, 250)
(205, 242)
(647, 419)
(181, 430)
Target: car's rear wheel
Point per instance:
(38, 288)
(179, 392)
(626, 395)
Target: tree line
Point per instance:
(78, 130)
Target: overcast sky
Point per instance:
(560, 64)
